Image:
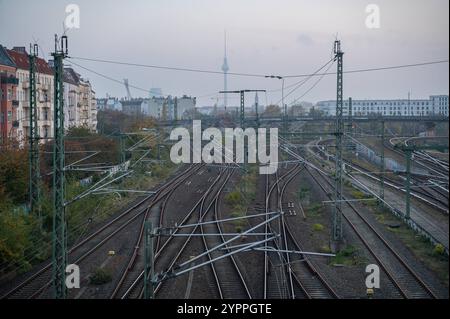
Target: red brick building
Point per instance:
(8, 102)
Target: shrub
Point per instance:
(100, 276)
(325, 249)
(358, 194)
(234, 198)
(439, 250)
(318, 227)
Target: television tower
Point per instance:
(225, 69)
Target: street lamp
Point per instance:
(282, 90)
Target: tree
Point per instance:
(272, 111)
(14, 175)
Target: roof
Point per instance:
(5, 58)
(70, 76)
(21, 61)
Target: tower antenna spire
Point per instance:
(225, 69)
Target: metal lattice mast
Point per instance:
(382, 162)
(242, 103)
(337, 211)
(242, 110)
(256, 109)
(285, 119)
(34, 168)
(408, 153)
(175, 109)
(59, 221)
(350, 144)
(122, 148)
(149, 269)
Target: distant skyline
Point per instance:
(263, 36)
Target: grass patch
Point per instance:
(348, 256)
(303, 193)
(433, 256)
(315, 210)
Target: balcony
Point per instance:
(45, 87)
(46, 122)
(45, 104)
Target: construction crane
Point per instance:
(127, 87)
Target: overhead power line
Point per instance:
(312, 87)
(183, 69)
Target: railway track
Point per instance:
(130, 285)
(301, 277)
(432, 197)
(438, 170)
(229, 284)
(407, 282)
(228, 276)
(136, 261)
(35, 285)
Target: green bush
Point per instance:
(100, 276)
(358, 194)
(318, 227)
(234, 198)
(439, 250)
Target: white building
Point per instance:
(435, 105)
(157, 106)
(80, 105)
(109, 103)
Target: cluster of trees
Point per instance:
(25, 238)
(113, 122)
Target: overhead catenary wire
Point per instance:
(259, 75)
(304, 81)
(297, 84)
(312, 87)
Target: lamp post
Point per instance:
(282, 98)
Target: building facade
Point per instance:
(8, 98)
(44, 95)
(164, 108)
(109, 103)
(80, 107)
(80, 104)
(435, 105)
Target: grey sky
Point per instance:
(264, 36)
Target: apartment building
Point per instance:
(8, 101)
(434, 105)
(44, 94)
(80, 105)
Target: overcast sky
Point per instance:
(264, 36)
